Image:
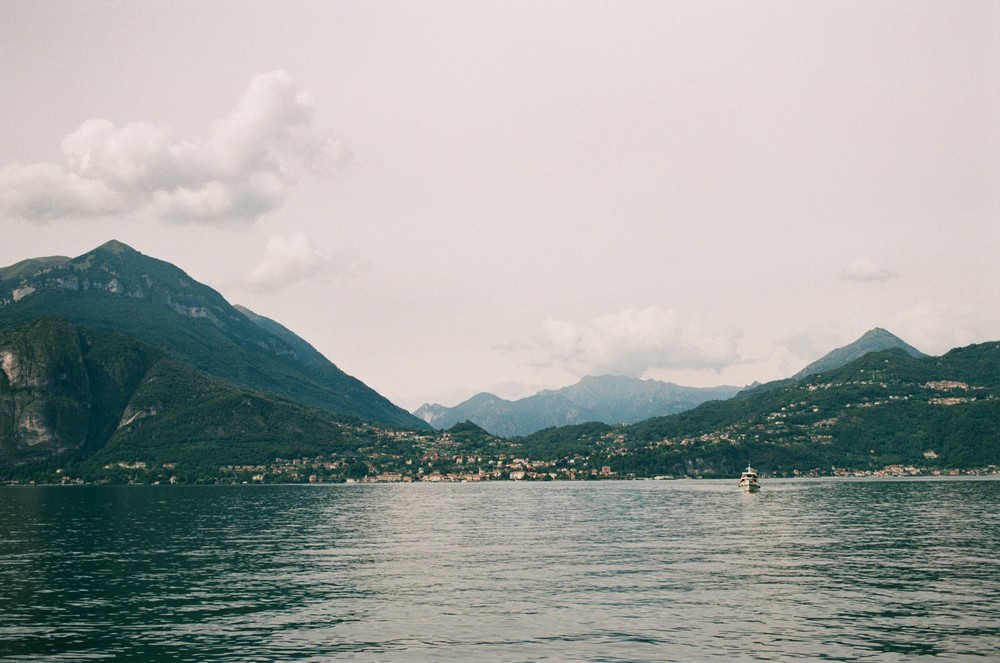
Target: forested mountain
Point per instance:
(118, 290)
(882, 409)
(73, 395)
(874, 340)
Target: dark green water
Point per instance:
(613, 571)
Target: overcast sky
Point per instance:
(453, 197)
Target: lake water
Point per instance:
(610, 571)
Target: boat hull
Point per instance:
(749, 481)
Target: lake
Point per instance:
(508, 571)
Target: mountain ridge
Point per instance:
(116, 289)
(608, 399)
(873, 340)
(884, 408)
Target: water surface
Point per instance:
(610, 571)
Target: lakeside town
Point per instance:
(434, 467)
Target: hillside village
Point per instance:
(813, 415)
(468, 454)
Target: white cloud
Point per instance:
(43, 191)
(241, 171)
(634, 341)
(866, 270)
(290, 260)
(937, 327)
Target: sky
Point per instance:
(452, 197)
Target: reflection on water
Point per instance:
(680, 570)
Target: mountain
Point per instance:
(874, 340)
(608, 399)
(117, 290)
(69, 394)
(118, 367)
(885, 408)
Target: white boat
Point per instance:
(749, 481)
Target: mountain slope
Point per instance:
(874, 340)
(47, 399)
(117, 289)
(90, 399)
(882, 409)
(608, 399)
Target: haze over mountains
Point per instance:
(617, 399)
(608, 399)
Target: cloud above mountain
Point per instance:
(287, 261)
(867, 270)
(633, 341)
(243, 169)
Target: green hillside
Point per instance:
(874, 340)
(116, 289)
(98, 403)
(883, 409)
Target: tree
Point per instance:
(356, 470)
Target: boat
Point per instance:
(749, 481)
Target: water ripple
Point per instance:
(616, 571)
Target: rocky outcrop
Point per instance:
(45, 398)
(62, 388)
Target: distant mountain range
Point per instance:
(621, 400)
(608, 399)
(87, 345)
